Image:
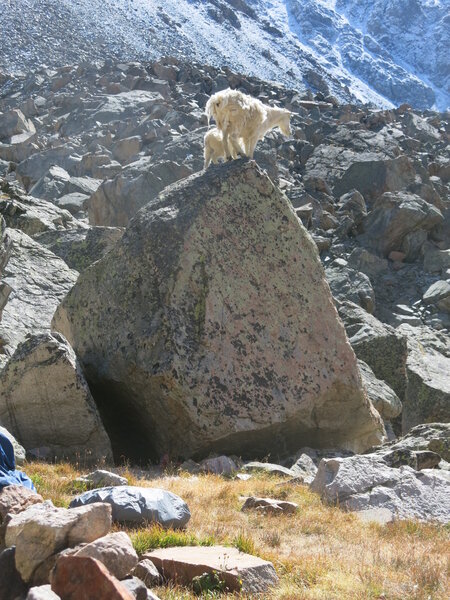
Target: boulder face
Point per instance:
(46, 402)
(210, 327)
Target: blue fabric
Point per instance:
(8, 473)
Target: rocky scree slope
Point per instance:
(385, 52)
(83, 148)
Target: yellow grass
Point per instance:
(320, 552)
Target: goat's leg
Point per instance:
(226, 144)
(250, 145)
(235, 146)
(208, 154)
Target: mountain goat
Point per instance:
(215, 148)
(239, 116)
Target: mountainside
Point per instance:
(383, 52)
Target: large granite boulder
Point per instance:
(45, 401)
(210, 327)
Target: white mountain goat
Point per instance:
(239, 116)
(215, 148)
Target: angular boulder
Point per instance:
(379, 345)
(239, 571)
(361, 483)
(76, 577)
(16, 498)
(384, 399)
(374, 177)
(38, 280)
(139, 505)
(115, 551)
(210, 326)
(394, 218)
(43, 530)
(427, 394)
(45, 401)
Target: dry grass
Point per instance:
(320, 552)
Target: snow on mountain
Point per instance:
(356, 50)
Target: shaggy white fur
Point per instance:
(239, 115)
(215, 148)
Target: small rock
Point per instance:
(270, 505)
(136, 587)
(76, 577)
(268, 468)
(16, 498)
(146, 571)
(222, 465)
(19, 451)
(42, 592)
(304, 468)
(100, 478)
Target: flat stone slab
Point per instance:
(183, 564)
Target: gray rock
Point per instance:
(79, 248)
(136, 587)
(115, 551)
(270, 506)
(252, 400)
(14, 122)
(101, 478)
(394, 217)
(34, 215)
(268, 468)
(374, 177)
(348, 284)
(305, 468)
(116, 201)
(434, 437)
(369, 264)
(439, 294)
(146, 571)
(427, 395)
(38, 280)
(73, 202)
(138, 505)
(45, 401)
(364, 482)
(384, 399)
(380, 346)
(221, 465)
